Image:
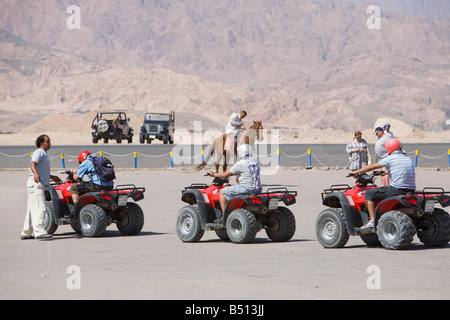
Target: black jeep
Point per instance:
(111, 125)
(158, 125)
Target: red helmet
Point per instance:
(392, 145)
(83, 155)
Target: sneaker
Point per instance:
(22, 237)
(44, 236)
(368, 225)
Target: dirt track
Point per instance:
(157, 265)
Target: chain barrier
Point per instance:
(170, 154)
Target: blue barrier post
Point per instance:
(171, 159)
(416, 159)
(135, 160)
(62, 161)
(309, 157)
(449, 158)
(278, 157)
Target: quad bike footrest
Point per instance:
(363, 231)
(213, 226)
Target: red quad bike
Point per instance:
(95, 211)
(244, 217)
(397, 218)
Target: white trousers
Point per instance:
(34, 218)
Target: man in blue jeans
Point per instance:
(401, 173)
(87, 168)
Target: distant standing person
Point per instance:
(39, 178)
(381, 152)
(387, 130)
(358, 152)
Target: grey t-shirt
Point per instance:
(42, 165)
(380, 149)
(247, 171)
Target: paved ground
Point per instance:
(157, 265)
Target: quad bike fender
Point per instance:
(390, 203)
(207, 213)
(87, 198)
(394, 202)
(59, 206)
(353, 217)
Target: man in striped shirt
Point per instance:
(401, 172)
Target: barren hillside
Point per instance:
(293, 64)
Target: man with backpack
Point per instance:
(100, 172)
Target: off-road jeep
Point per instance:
(158, 125)
(111, 126)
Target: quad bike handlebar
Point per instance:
(218, 181)
(374, 173)
(364, 179)
(69, 178)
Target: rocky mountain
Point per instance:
(290, 63)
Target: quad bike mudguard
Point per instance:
(60, 207)
(415, 200)
(353, 217)
(207, 213)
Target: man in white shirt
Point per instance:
(235, 124)
(247, 171)
(234, 128)
(387, 130)
(38, 180)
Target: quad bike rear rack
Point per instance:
(136, 193)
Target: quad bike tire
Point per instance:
(331, 228)
(189, 227)
(433, 229)
(371, 239)
(132, 219)
(395, 230)
(242, 226)
(92, 220)
(50, 225)
(280, 225)
(222, 234)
